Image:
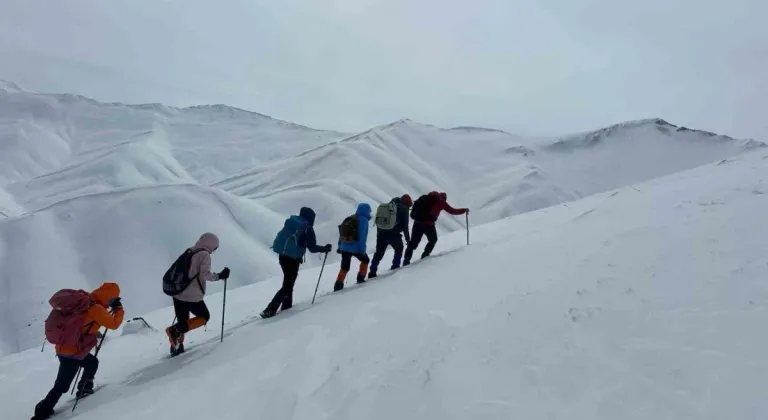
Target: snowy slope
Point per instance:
(66, 161)
(632, 304)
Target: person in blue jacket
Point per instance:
(354, 246)
(291, 243)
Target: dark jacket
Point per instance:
(308, 239)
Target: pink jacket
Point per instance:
(200, 269)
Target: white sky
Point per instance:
(526, 66)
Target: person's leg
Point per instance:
(201, 313)
(397, 245)
(90, 365)
(279, 298)
(416, 234)
(363, 270)
(346, 263)
(176, 332)
(67, 372)
(431, 233)
(381, 248)
(291, 271)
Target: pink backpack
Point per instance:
(64, 325)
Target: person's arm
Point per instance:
(363, 233)
(311, 241)
(205, 272)
(100, 316)
(447, 207)
(403, 215)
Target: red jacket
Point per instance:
(439, 206)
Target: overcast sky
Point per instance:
(526, 66)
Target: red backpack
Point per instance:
(64, 325)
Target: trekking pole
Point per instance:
(223, 309)
(43, 347)
(77, 398)
(319, 277)
(466, 215)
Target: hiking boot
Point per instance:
(372, 274)
(394, 267)
(174, 337)
(360, 278)
(84, 388)
(268, 313)
(339, 285)
(178, 350)
(42, 412)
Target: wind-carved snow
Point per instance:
(641, 302)
(91, 191)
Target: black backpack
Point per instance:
(348, 230)
(422, 206)
(176, 279)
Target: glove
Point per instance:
(328, 248)
(115, 304)
(466, 210)
(224, 274)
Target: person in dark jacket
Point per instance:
(424, 224)
(355, 249)
(393, 237)
(296, 237)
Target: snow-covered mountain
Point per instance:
(91, 191)
(639, 303)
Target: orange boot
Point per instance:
(340, 280)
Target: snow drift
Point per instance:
(91, 191)
(629, 304)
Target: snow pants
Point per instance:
(284, 296)
(346, 265)
(67, 371)
(386, 239)
(419, 230)
(183, 309)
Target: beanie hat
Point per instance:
(407, 200)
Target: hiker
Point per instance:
(75, 339)
(425, 212)
(353, 235)
(191, 298)
(391, 220)
(291, 243)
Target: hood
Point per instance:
(308, 214)
(105, 293)
(363, 210)
(208, 241)
(440, 195)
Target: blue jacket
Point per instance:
(363, 214)
(308, 239)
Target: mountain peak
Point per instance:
(10, 87)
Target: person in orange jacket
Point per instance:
(72, 358)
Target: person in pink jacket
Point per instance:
(190, 300)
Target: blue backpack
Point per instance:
(287, 240)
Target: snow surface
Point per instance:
(91, 191)
(646, 302)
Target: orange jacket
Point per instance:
(96, 317)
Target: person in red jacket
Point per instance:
(425, 212)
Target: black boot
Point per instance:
(44, 409)
(268, 313)
(372, 274)
(84, 388)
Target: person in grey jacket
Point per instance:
(190, 300)
(393, 237)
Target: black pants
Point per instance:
(346, 260)
(284, 296)
(183, 309)
(384, 240)
(67, 372)
(419, 230)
